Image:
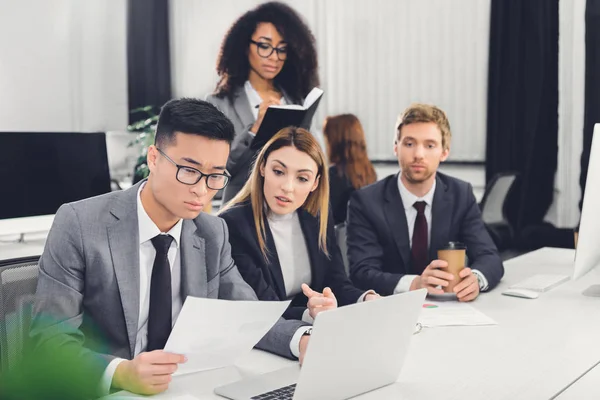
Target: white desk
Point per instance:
(539, 347)
(587, 387)
(30, 247)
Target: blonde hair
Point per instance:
(317, 202)
(418, 112)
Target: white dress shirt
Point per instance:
(408, 201)
(147, 230)
(293, 255)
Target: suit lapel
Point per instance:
(441, 215)
(273, 262)
(194, 280)
(396, 220)
(123, 240)
(241, 105)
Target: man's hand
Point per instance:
(433, 276)
(319, 302)
(303, 346)
(468, 288)
(372, 296)
(148, 373)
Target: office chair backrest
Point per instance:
(18, 281)
(494, 198)
(340, 234)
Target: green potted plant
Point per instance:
(144, 129)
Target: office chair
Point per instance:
(493, 209)
(340, 235)
(18, 281)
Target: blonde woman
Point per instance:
(281, 234)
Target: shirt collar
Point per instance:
(253, 96)
(148, 229)
(409, 199)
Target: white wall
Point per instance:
(376, 57)
(571, 55)
(63, 65)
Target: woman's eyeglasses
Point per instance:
(265, 50)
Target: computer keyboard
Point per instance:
(284, 393)
(541, 282)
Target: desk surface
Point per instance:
(30, 247)
(587, 387)
(538, 348)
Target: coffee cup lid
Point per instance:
(454, 246)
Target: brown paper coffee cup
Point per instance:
(454, 253)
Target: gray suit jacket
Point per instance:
(88, 290)
(241, 156)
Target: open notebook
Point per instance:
(281, 116)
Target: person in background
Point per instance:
(282, 236)
(397, 225)
(267, 57)
(350, 167)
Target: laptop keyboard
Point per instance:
(284, 393)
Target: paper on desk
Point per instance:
(452, 314)
(214, 333)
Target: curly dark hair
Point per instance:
(299, 73)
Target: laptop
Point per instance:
(352, 350)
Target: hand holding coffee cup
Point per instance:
(455, 254)
(434, 275)
(465, 283)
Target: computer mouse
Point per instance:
(523, 293)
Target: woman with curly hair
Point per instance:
(267, 57)
(350, 167)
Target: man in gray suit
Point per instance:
(116, 268)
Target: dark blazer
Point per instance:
(266, 278)
(378, 242)
(340, 190)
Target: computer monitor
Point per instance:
(587, 255)
(39, 171)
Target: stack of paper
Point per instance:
(214, 333)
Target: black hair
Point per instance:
(192, 116)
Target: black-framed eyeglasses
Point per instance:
(265, 50)
(191, 176)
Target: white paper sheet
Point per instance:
(452, 313)
(214, 333)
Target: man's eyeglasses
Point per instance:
(265, 50)
(191, 176)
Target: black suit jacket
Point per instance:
(378, 241)
(340, 189)
(266, 278)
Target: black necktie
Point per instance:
(419, 240)
(159, 315)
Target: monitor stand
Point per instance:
(592, 291)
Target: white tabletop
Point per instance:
(587, 387)
(32, 246)
(538, 348)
